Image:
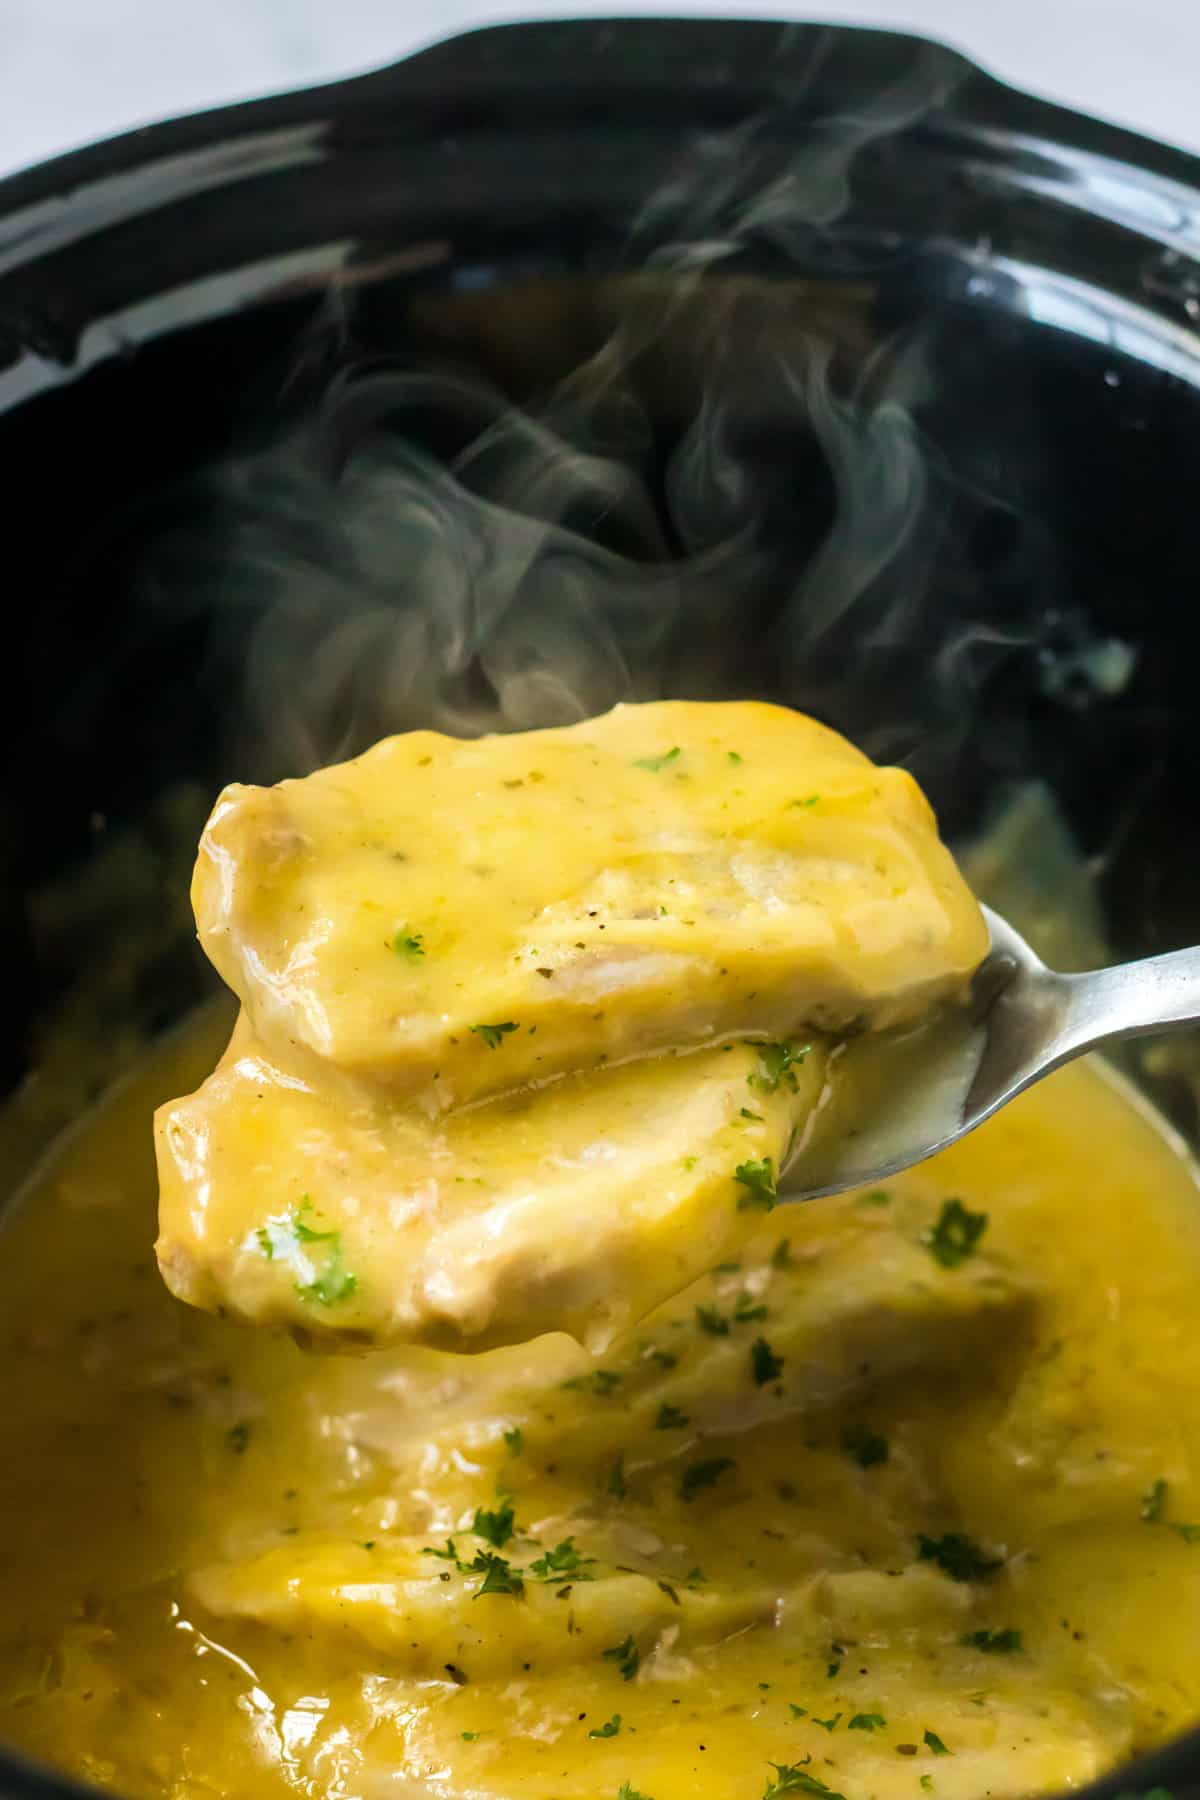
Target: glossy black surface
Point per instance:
(856, 379)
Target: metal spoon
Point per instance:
(1024, 1021)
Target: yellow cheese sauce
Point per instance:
(898, 1505)
(485, 1082)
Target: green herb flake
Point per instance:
(1154, 1503)
(867, 1722)
(996, 1643)
(627, 1791)
(955, 1235)
(776, 1066)
(733, 757)
(794, 1778)
(709, 1319)
(655, 763)
(875, 1197)
(747, 1309)
(611, 1728)
(927, 1784)
(758, 1179)
(810, 800)
(957, 1556)
(666, 1359)
(492, 1034)
(698, 1476)
(670, 1418)
(449, 1554)
(237, 1437)
(499, 1577)
(515, 1440)
(797, 1712)
(827, 1724)
(866, 1447)
(745, 1113)
(764, 1363)
(470, 1737)
(496, 1527)
(936, 1745)
(564, 1559)
(407, 943)
(832, 1671)
(781, 1255)
(285, 1238)
(334, 1284)
(626, 1657)
(693, 1577)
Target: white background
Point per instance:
(74, 70)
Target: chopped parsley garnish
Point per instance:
(996, 1642)
(626, 1656)
(670, 1418)
(335, 1282)
(865, 1446)
(733, 756)
(867, 1722)
(758, 1179)
(957, 1556)
(666, 1359)
(627, 1791)
(492, 1034)
(449, 1554)
(471, 1737)
(797, 1712)
(238, 1436)
(793, 1778)
(515, 1439)
(408, 943)
(496, 1527)
(655, 763)
(936, 1745)
(611, 1728)
(285, 1237)
(616, 1477)
(600, 1381)
(810, 800)
(827, 1724)
(832, 1670)
(745, 1113)
(875, 1197)
(564, 1559)
(499, 1577)
(698, 1476)
(693, 1576)
(776, 1063)
(955, 1234)
(280, 1236)
(709, 1319)
(927, 1784)
(781, 1255)
(764, 1363)
(1154, 1508)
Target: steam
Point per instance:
(691, 479)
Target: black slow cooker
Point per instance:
(570, 362)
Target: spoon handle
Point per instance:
(1138, 999)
